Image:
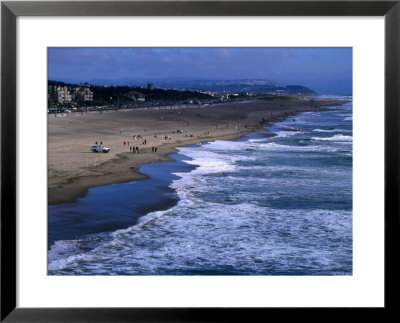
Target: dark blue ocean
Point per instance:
(260, 205)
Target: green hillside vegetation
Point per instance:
(118, 94)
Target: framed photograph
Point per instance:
(198, 160)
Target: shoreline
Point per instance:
(79, 186)
(124, 166)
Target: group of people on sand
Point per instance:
(134, 137)
(135, 150)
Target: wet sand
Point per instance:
(73, 168)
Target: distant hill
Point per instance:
(248, 85)
(222, 85)
(299, 89)
(259, 86)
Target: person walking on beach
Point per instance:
(124, 143)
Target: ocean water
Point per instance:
(260, 205)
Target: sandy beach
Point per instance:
(73, 168)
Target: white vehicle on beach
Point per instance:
(99, 149)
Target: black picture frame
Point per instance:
(10, 10)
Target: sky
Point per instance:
(325, 70)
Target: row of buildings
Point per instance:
(66, 94)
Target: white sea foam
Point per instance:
(310, 148)
(219, 145)
(214, 157)
(258, 140)
(240, 236)
(62, 252)
(284, 133)
(63, 248)
(332, 130)
(337, 138)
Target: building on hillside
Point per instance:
(136, 96)
(52, 95)
(66, 94)
(82, 94)
(63, 94)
